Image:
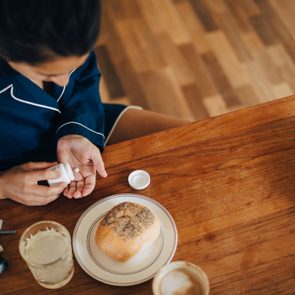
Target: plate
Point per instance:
(141, 267)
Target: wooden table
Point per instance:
(228, 182)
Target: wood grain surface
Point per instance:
(197, 58)
(228, 182)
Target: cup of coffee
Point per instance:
(181, 278)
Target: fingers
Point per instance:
(45, 195)
(75, 189)
(46, 191)
(37, 200)
(71, 190)
(44, 174)
(41, 195)
(44, 201)
(79, 188)
(89, 185)
(37, 171)
(99, 164)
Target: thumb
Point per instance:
(99, 164)
(38, 165)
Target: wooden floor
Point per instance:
(197, 58)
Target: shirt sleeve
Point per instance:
(82, 111)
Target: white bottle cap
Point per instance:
(63, 175)
(139, 179)
(69, 171)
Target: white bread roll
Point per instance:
(125, 229)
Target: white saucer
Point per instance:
(140, 268)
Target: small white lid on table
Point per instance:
(139, 179)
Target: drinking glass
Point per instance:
(46, 248)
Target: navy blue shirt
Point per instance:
(32, 120)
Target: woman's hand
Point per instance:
(80, 153)
(20, 184)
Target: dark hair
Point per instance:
(35, 31)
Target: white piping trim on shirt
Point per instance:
(118, 119)
(1, 91)
(28, 102)
(64, 88)
(77, 123)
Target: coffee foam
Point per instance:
(179, 282)
(181, 278)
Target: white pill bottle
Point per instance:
(65, 172)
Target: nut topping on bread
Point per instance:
(128, 220)
(125, 230)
